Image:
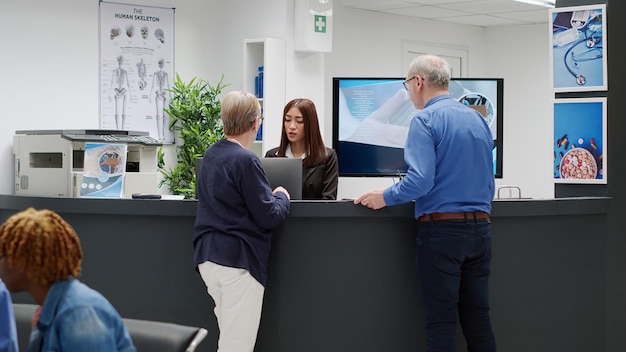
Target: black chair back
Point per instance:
(164, 337)
(147, 335)
(23, 317)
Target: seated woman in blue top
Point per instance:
(301, 138)
(8, 332)
(236, 213)
(40, 253)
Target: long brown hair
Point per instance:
(42, 244)
(313, 143)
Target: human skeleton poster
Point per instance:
(136, 68)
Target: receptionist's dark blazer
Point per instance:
(319, 181)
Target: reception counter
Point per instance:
(342, 277)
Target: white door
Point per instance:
(456, 57)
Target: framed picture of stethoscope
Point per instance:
(578, 48)
(580, 154)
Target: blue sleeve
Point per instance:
(8, 332)
(420, 157)
(82, 329)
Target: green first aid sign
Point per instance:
(320, 24)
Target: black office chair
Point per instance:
(23, 316)
(166, 337)
(147, 335)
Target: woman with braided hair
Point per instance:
(40, 253)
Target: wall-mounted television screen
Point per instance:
(371, 117)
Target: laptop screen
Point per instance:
(286, 172)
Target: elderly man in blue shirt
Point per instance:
(450, 178)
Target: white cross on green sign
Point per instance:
(320, 24)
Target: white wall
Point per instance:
(50, 56)
(370, 44)
(524, 64)
(366, 43)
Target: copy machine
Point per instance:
(50, 162)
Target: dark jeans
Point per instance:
(453, 260)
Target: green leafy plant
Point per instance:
(195, 121)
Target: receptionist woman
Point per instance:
(301, 138)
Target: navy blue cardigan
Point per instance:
(236, 210)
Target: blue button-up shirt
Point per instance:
(77, 318)
(8, 333)
(449, 152)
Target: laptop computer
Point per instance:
(286, 172)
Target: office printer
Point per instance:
(50, 162)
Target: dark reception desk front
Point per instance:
(342, 277)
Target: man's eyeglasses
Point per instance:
(406, 83)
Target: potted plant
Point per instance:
(195, 120)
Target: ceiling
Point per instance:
(481, 13)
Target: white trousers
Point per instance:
(238, 302)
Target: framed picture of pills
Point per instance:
(580, 154)
(578, 48)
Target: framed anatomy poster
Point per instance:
(136, 68)
(580, 154)
(578, 48)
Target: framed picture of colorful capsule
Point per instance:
(578, 48)
(580, 154)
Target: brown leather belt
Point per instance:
(472, 215)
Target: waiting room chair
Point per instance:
(23, 316)
(147, 335)
(151, 336)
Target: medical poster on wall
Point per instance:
(104, 170)
(578, 48)
(136, 68)
(580, 154)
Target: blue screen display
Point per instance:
(371, 118)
